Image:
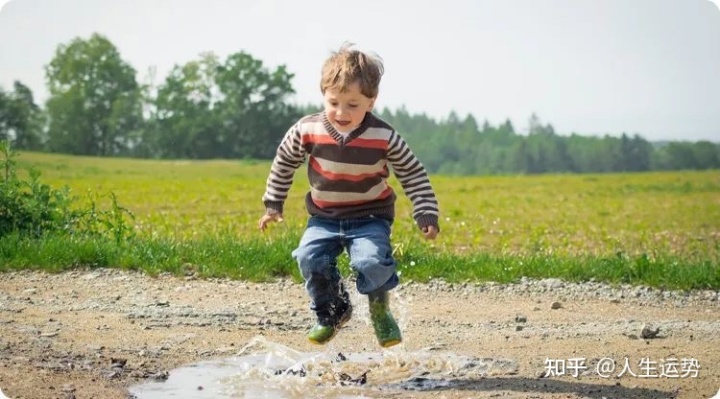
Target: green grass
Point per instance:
(659, 229)
(206, 257)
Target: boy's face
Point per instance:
(346, 109)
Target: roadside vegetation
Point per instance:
(59, 212)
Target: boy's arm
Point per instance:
(289, 156)
(415, 182)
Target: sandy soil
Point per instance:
(94, 333)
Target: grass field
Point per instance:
(654, 228)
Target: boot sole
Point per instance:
(390, 343)
(342, 323)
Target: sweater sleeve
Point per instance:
(415, 182)
(288, 158)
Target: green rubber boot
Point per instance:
(329, 322)
(386, 329)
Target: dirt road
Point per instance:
(94, 333)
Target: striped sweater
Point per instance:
(348, 174)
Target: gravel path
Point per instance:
(94, 333)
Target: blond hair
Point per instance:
(347, 66)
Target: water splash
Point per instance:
(265, 369)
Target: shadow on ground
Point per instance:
(533, 385)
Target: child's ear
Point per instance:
(372, 103)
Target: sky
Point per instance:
(592, 67)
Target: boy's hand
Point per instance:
(430, 232)
(266, 219)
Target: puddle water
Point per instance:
(264, 369)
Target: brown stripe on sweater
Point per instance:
(381, 208)
(319, 182)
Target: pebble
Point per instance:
(649, 332)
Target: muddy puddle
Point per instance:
(265, 369)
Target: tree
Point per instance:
(253, 106)
(707, 155)
(20, 118)
(95, 101)
(184, 123)
(234, 109)
(634, 153)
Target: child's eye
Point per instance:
(353, 106)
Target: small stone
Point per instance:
(648, 332)
(159, 376)
(556, 305)
(137, 374)
(68, 388)
(113, 374)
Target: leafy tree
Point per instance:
(635, 153)
(707, 155)
(20, 118)
(95, 101)
(253, 106)
(678, 156)
(183, 123)
(546, 151)
(233, 109)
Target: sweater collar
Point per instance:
(344, 139)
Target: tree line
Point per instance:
(238, 108)
(461, 146)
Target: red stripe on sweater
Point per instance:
(338, 176)
(318, 139)
(369, 143)
(357, 142)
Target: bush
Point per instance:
(32, 209)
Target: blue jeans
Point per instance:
(367, 241)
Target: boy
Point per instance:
(351, 206)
